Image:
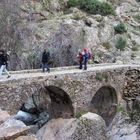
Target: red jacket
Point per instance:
(80, 56)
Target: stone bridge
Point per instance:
(68, 92)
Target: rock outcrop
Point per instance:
(63, 30)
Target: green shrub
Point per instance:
(137, 17)
(120, 109)
(79, 114)
(78, 16)
(90, 6)
(93, 6)
(97, 7)
(121, 43)
(73, 3)
(32, 60)
(120, 28)
(134, 115)
(99, 77)
(135, 48)
(106, 45)
(107, 9)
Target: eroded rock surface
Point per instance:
(3, 116)
(88, 127)
(122, 128)
(12, 129)
(55, 26)
(31, 137)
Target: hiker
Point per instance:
(45, 60)
(3, 63)
(86, 56)
(80, 57)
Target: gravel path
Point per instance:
(63, 70)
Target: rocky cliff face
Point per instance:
(63, 30)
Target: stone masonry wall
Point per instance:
(81, 87)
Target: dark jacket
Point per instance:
(3, 59)
(45, 57)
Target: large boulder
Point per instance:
(3, 116)
(122, 129)
(106, 29)
(29, 106)
(32, 137)
(25, 117)
(90, 37)
(88, 127)
(12, 129)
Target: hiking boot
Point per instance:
(8, 76)
(48, 71)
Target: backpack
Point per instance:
(89, 55)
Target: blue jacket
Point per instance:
(86, 56)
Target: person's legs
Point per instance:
(1, 69)
(5, 70)
(43, 67)
(80, 64)
(48, 68)
(85, 65)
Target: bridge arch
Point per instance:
(48, 100)
(104, 103)
(61, 104)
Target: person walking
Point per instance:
(85, 58)
(80, 57)
(3, 63)
(45, 60)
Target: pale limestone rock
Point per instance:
(125, 8)
(32, 137)
(117, 2)
(12, 129)
(88, 127)
(135, 38)
(31, 7)
(55, 5)
(91, 37)
(3, 116)
(29, 105)
(106, 33)
(122, 129)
